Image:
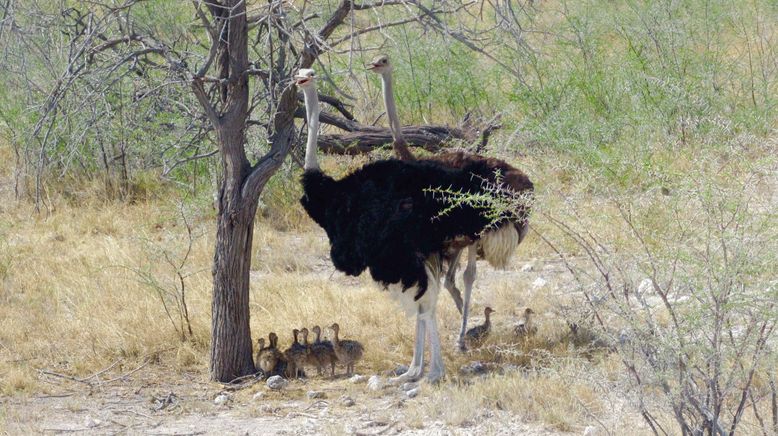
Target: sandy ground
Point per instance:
(138, 405)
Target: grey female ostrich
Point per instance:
(382, 218)
(495, 245)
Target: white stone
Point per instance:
(375, 383)
(681, 299)
(539, 283)
(408, 386)
(258, 396)
(413, 392)
(315, 394)
(221, 399)
(527, 267)
(91, 422)
(590, 431)
(356, 379)
(277, 382)
(646, 286)
(347, 401)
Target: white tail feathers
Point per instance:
(499, 244)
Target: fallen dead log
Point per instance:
(360, 138)
(430, 138)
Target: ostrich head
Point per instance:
(273, 338)
(305, 78)
(488, 311)
(380, 64)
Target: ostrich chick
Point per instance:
(322, 353)
(295, 356)
(269, 357)
(348, 352)
(525, 327)
(480, 332)
(306, 345)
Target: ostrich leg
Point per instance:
(416, 368)
(450, 283)
(431, 320)
(469, 278)
(436, 356)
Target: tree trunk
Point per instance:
(231, 355)
(230, 334)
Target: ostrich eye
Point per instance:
(383, 61)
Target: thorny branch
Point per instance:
(111, 54)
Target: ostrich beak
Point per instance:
(371, 66)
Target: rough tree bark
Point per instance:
(231, 346)
(231, 352)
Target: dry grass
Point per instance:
(72, 302)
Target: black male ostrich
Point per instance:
(495, 245)
(381, 218)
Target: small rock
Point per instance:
(356, 379)
(316, 394)
(590, 431)
(277, 382)
(527, 267)
(539, 283)
(510, 367)
(473, 368)
(408, 386)
(399, 370)
(222, 399)
(646, 286)
(91, 422)
(258, 396)
(375, 383)
(347, 401)
(413, 392)
(681, 299)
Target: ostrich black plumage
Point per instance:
(382, 218)
(495, 245)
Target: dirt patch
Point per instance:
(186, 406)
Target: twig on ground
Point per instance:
(128, 411)
(382, 431)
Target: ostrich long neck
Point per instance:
(312, 113)
(399, 144)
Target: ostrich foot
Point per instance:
(434, 377)
(413, 374)
(461, 346)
